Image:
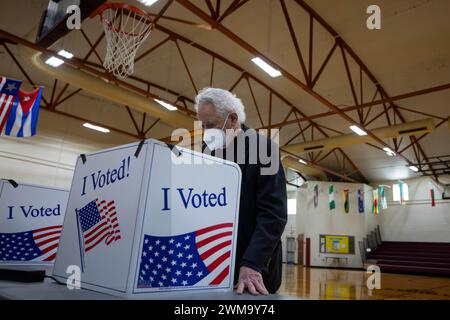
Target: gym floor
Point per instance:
(340, 284)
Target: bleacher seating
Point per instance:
(427, 258)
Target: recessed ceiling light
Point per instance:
(413, 168)
(266, 67)
(389, 152)
(166, 105)
(94, 127)
(302, 161)
(147, 3)
(358, 130)
(65, 54)
(54, 62)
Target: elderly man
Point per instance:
(263, 203)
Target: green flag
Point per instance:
(331, 197)
(383, 200)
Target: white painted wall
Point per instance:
(316, 221)
(417, 220)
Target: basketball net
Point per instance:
(126, 28)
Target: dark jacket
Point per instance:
(262, 216)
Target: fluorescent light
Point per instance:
(54, 62)
(302, 161)
(94, 127)
(266, 67)
(358, 131)
(65, 54)
(166, 105)
(389, 152)
(413, 168)
(147, 3)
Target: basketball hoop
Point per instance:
(126, 28)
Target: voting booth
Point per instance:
(149, 219)
(31, 219)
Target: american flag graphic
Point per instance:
(198, 258)
(9, 89)
(35, 245)
(98, 223)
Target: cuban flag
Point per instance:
(200, 258)
(9, 89)
(34, 245)
(23, 116)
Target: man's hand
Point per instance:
(251, 280)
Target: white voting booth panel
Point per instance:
(152, 224)
(31, 219)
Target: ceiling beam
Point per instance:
(249, 48)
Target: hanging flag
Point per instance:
(375, 208)
(23, 116)
(433, 202)
(316, 196)
(383, 199)
(8, 97)
(345, 200)
(331, 198)
(360, 201)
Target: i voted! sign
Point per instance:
(151, 225)
(31, 220)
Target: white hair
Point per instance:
(224, 101)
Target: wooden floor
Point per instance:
(336, 284)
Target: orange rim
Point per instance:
(116, 5)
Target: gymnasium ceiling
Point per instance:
(411, 52)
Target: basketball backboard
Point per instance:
(53, 22)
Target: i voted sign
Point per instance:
(31, 219)
(164, 227)
(191, 198)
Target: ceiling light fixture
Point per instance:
(65, 54)
(389, 152)
(54, 62)
(266, 67)
(147, 3)
(358, 130)
(413, 168)
(94, 127)
(166, 105)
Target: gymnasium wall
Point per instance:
(320, 220)
(417, 220)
